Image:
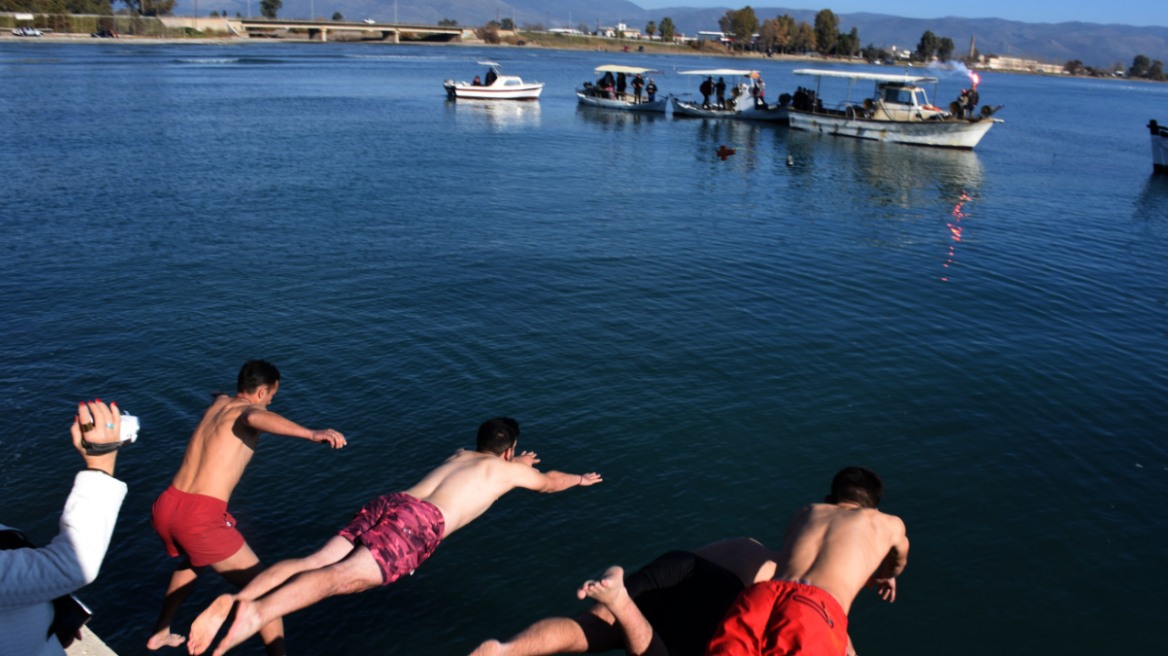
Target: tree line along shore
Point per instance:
(741, 33)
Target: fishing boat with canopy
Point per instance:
(600, 95)
(739, 105)
(898, 111)
(495, 86)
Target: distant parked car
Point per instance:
(104, 34)
(27, 31)
(370, 21)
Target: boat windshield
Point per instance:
(899, 95)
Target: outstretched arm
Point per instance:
(526, 476)
(270, 422)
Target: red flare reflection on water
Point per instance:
(955, 228)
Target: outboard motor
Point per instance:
(449, 86)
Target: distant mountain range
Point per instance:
(1094, 44)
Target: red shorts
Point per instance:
(776, 618)
(196, 526)
(399, 530)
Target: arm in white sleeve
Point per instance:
(72, 560)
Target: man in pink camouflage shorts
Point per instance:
(389, 537)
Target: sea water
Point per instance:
(717, 338)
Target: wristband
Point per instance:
(102, 449)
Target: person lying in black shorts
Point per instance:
(683, 594)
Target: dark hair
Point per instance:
(256, 374)
(859, 485)
(497, 435)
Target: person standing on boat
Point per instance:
(622, 83)
(706, 89)
(638, 85)
(651, 90)
(973, 100)
(720, 88)
(491, 77)
(760, 92)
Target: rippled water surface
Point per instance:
(716, 338)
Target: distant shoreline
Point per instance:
(539, 41)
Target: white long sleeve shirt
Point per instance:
(31, 578)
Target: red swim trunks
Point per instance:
(777, 618)
(400, 531)
(196, 526)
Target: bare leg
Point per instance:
(207, 624)
(591, 632)
(355, 573)
(181, 584)
(640, 639)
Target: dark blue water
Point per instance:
(716, 338)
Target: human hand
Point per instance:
(329, 437)
(527, 458)
(590, 479)
(97, 423)
(886, 588)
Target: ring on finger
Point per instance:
(86, 427)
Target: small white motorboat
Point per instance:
(1159, 147)
(595, 96)
(496, 86)
(740, 104)
(898, 112)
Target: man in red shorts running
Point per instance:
(191, 515)
(830, 552)
(389, 537)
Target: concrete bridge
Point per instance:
(319, 29)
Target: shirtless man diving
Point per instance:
(831, 551)
(191, 515)
(680, 599)
(798, 603)
(389, 537)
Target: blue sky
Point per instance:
(1127, 12)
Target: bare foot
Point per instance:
(164, 638)
(608, 590)
(489, 648)
(247, 623)
(208, 622)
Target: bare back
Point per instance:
(219, 450)
(840, 547)
(469, 482)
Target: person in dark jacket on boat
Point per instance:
(706, 89)
(651, 90)
(638, 86)
(622, 83)
(477, 82)
(720, 88)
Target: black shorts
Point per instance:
(684, 597)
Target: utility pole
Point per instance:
(395, 12)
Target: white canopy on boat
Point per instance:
(628, 70)
(877, 77)
(720, 71)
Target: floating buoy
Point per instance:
(790, 161)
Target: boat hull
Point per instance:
(623, 105)
(775, 113)
(463, 91)
(941, 134)
(1159, 148)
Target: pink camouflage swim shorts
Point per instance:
(399, 530)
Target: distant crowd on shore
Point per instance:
(729, 598)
